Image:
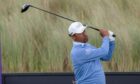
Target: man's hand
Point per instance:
(104, 32)
(111, 38)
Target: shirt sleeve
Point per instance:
(111, 49)
(97, 53)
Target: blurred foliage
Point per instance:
(38, 42)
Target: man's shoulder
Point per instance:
(90, 45)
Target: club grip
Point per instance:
(98, 30)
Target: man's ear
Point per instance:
(74, 37)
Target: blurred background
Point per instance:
(38, 42)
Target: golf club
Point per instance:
(25, 7)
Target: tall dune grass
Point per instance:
(38, 42)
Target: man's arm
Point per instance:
(94, 54)
(110, 53)
(91, 54)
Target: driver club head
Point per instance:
(25, 7)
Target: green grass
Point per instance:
(38, 42)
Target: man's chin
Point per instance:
(85, 41)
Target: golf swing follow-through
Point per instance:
(86, 58)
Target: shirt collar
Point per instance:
(79, 43)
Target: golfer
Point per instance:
(86, 58)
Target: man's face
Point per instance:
(81, 37)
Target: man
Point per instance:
(86, 58)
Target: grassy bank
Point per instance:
(38, 42)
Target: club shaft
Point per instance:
(62, 16)
(53, 13)
(93, 28)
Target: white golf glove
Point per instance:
(111, 38)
